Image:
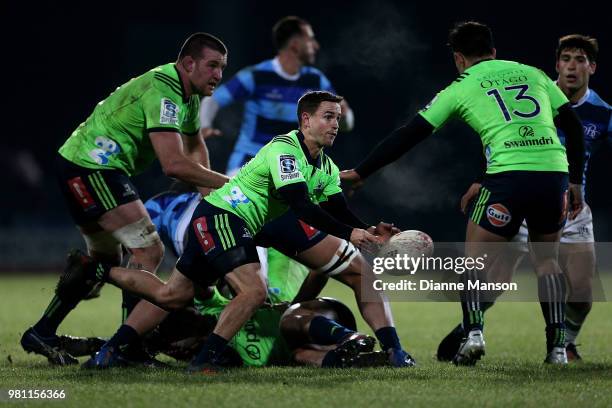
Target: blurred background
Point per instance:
(388, 58)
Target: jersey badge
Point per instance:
(168, 114)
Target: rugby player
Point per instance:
(511, 106)
(291, 172)
(575, 63)
(270, 91)
(153, 115)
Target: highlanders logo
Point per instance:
(168, 114)
(498, 215)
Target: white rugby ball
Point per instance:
(413, 243)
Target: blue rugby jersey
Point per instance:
(270, 96)
(596, 117)
(171, 214)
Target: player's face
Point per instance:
(307, 45)
(574, 69)
(207, 72)
(325, 122)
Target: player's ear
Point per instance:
(494, 53)
(188, 63)
(305, 120)
(592, 67)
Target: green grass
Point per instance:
(511, 374)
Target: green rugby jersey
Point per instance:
(116, 134)
(511, 106)
(259, 341)
(252, 194)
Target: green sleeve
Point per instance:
(282, 160)
(161, 110)
(441, 108)
(191, 124)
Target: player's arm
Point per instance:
(400, 141)
(176, 163)
(196, 150)
(296, 196)
(237, 89)
(568, 122)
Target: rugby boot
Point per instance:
(471, 349)
(557, 356)
(49, 347)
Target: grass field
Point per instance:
(511, 374)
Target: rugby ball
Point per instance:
(412, 243)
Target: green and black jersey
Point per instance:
(511, 106)
(252, 194)
(116, 134)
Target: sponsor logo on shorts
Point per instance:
(287, 167)
(205, 238)
(308, 230)
(498, 215)
(80, 192)
(168, 114)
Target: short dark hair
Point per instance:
(195, 44)
(285, 28)
(310, 101)
(471, 38)
(578, 41)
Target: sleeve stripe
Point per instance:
(163, 129)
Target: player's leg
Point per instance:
(340, 260)
(546, 218)
(171, 295)
(89, 195)
(322, 332)
(577, 260)
(494, 218)
(504, 267)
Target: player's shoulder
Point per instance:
(288, 140)
(309, 69)
(165, 78)
(596, 100)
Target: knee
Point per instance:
(171, 300)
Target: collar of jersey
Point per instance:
(314, 162)
(482, 60)
(278, 68)
(185, 99)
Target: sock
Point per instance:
(552, 291)
(473, 313)
(54, 315)
(387, 336)
(575, 314)
(212, 349)
(325, 331)
(128, 303)
(330, 359)
(126, 335)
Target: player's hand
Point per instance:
(575, 199)
(469, 196)
(209, 132)
(352, 181)
(363, 240)
(384, 230)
